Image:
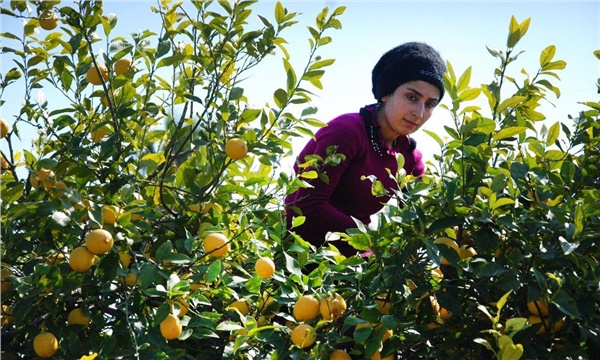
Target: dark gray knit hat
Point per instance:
(408, 62)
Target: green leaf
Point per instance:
(435, 136)
(229, 326)
(503, 300)
(320, 64)
(309, 174)
(279, 13)
(164, 250)
(483, 342)
(280, 97)
(504, 341)
(469, 94)
(511, 351)
(291, 75)
(509, 132)
(480, 125)
(547, 55)
(501, 202)
(291, 264)
(566, 246)
(515, 324)
(298, 220)
(553, 134)
(213, 272)
(556, 65)
(514, 33)
(464, 80)
(511, 102)
(490, 269)
(566, 304)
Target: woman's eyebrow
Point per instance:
(417, 92)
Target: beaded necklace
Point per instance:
(374, 139)
(373, 136)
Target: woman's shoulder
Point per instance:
(348, 124)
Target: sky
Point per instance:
(460, 31)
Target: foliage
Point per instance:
(524, 196)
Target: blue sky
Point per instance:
(459, 30)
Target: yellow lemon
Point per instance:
(99, 241)
(7, 316)
(339, 355)
(383, 303)
(236, 148)
(306, 308)
(122, 66)
(48, 21)
(78, 317)
(4, 128)
(332, 308)
(542, 305)
(264, 267)
(303, 335)
(110, 214)
(241, 306)
(45, 345)
(81, 259)
(216, 244)
(170, 327)
(96, 75)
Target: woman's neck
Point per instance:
(385, 132)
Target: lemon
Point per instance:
(216, 244)
(4, 128)
(339, 355)
(303, 335)
(48, 21)
(264, 267)
(236, 148)
(96, 75)
(45, 345)
(122, 66)
(78, 317)
(242, 306)
(306, 308)
(542, 305)
(170, 327)
(332, 308)
(99, 241)
(81, 259)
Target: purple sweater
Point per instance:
(329, 207)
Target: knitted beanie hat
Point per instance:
(407, 62)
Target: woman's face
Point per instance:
(407, 108)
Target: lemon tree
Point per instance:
(153, 176)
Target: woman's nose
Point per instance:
(418, 110)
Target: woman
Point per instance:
(408, 84)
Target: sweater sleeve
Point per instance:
(418, 169)
(321, 215)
